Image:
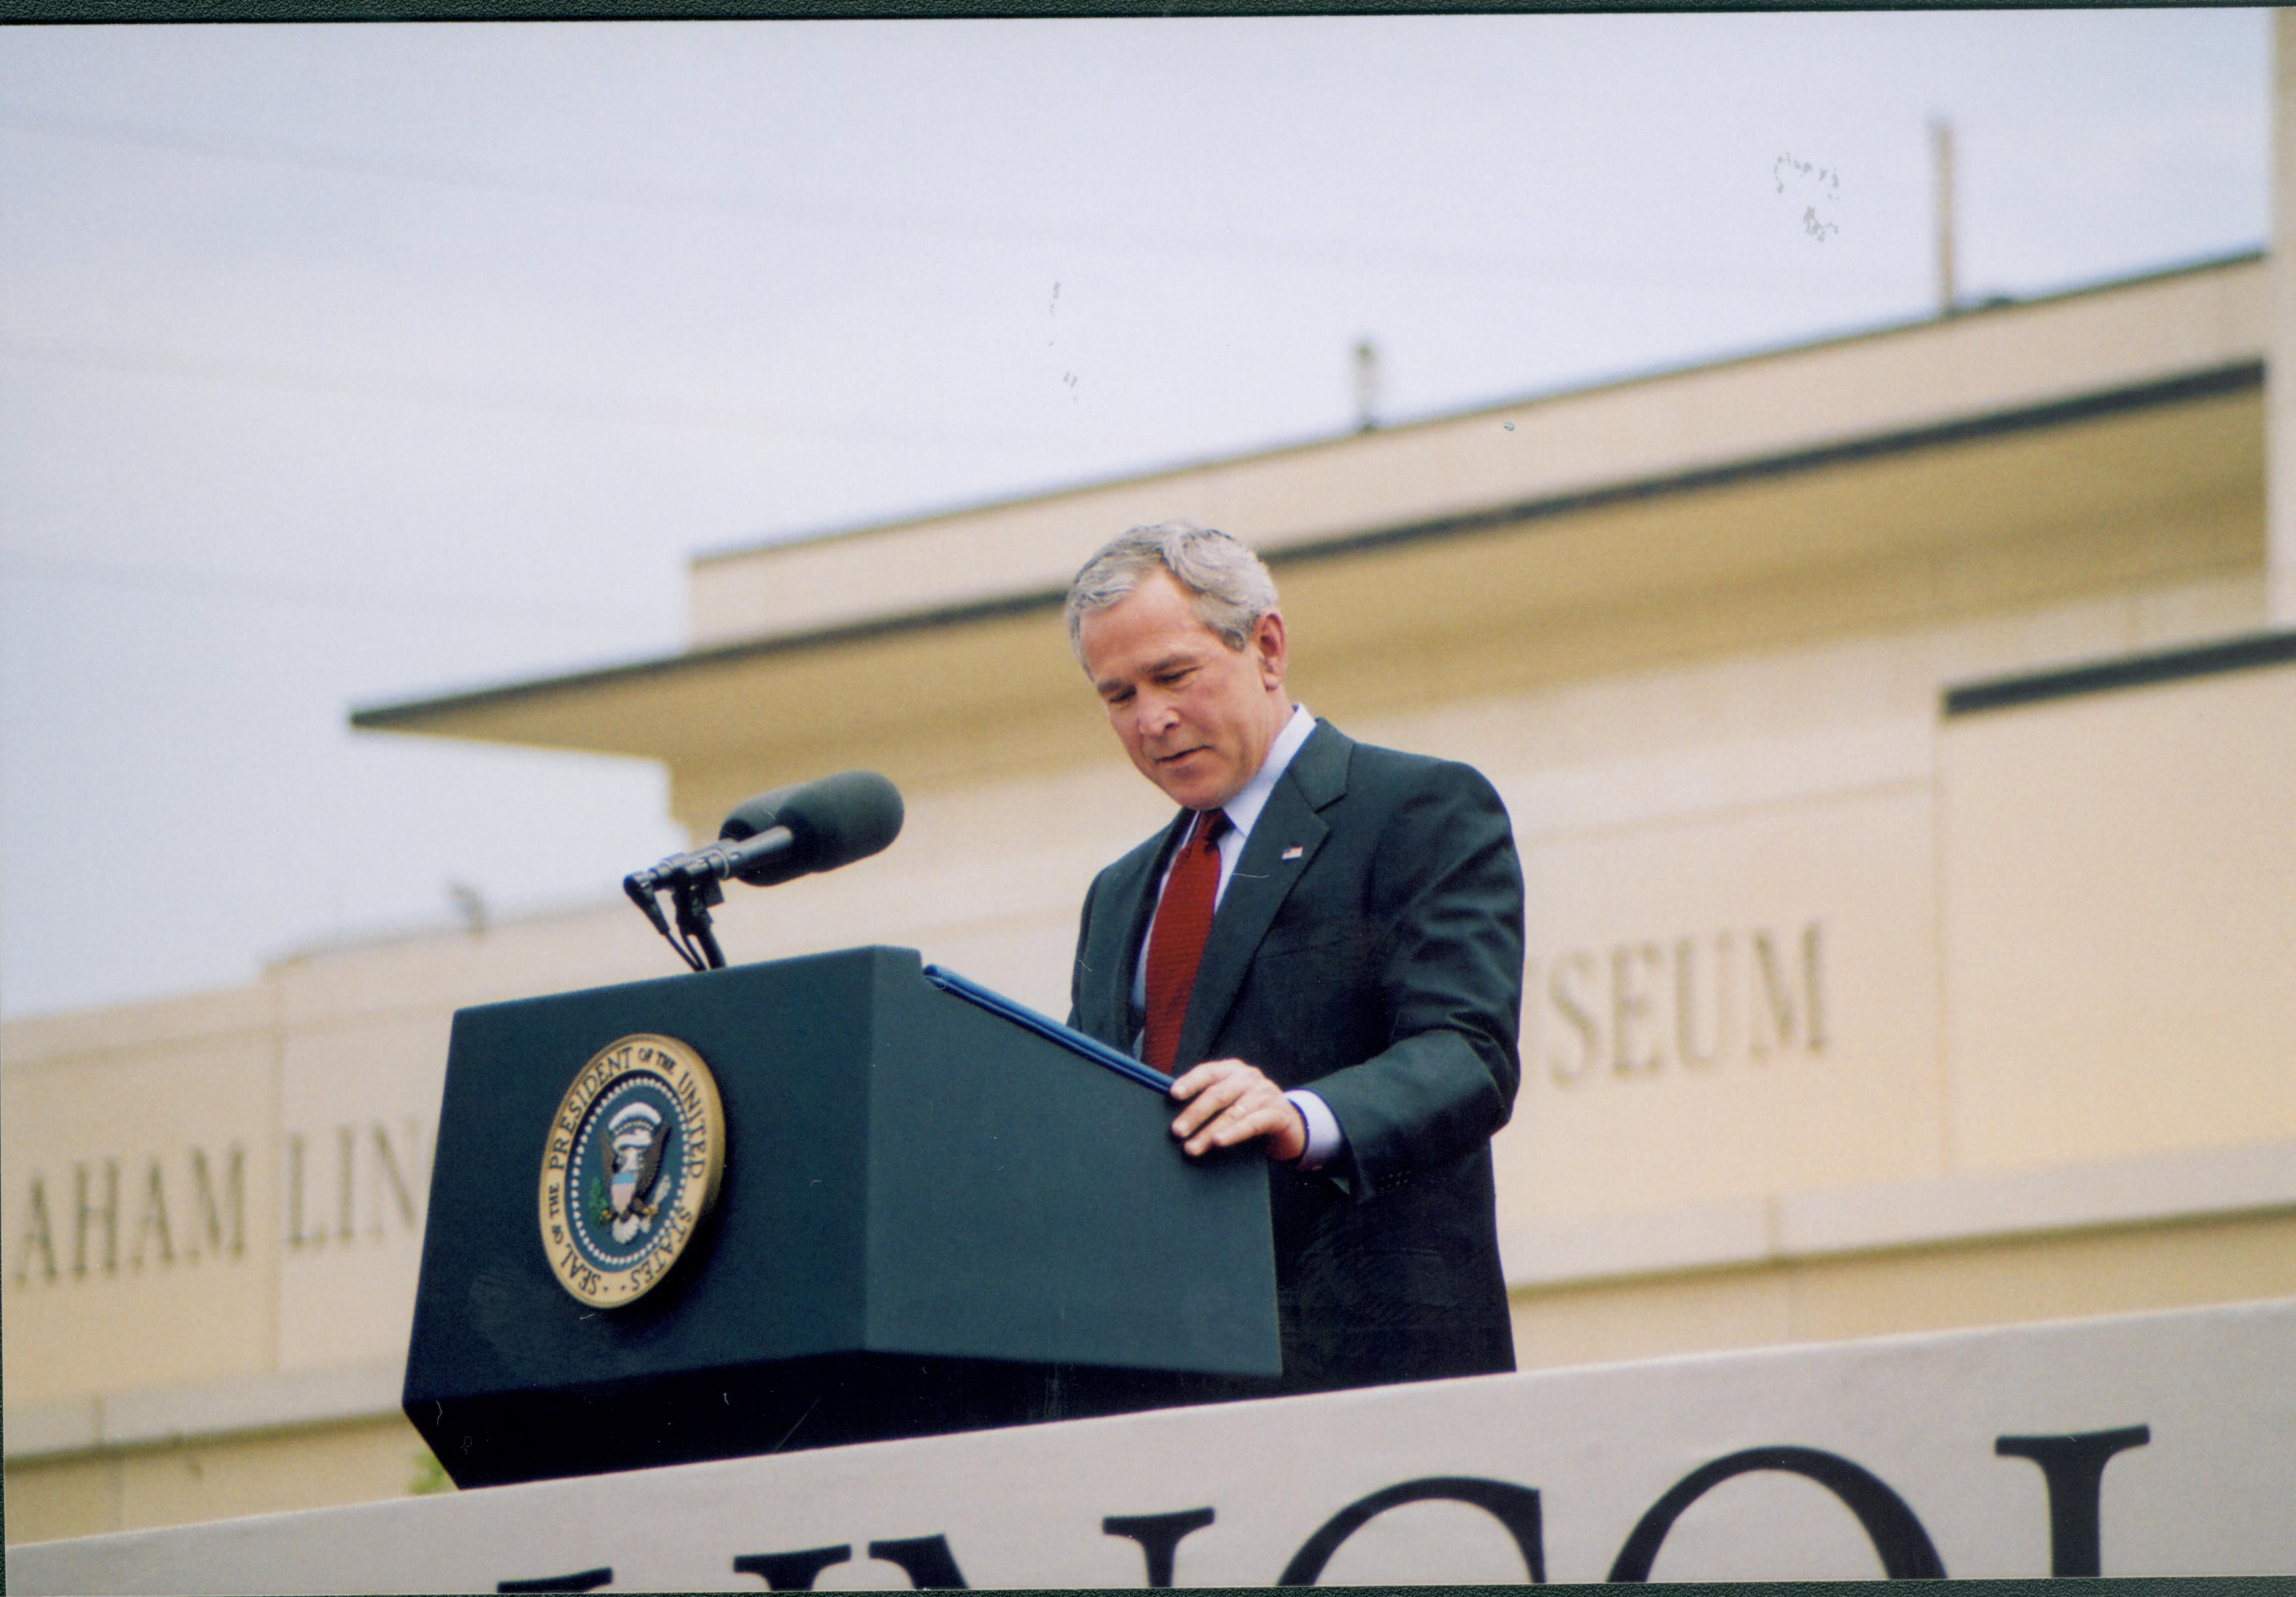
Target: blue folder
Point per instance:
(1045, 1027)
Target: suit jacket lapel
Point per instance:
(1316, 777)
(1118, 929)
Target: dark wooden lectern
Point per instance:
(929, 1219)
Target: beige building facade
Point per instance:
(1900, 736)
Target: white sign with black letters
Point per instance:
(2144, 1445)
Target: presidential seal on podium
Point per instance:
(632, 1164)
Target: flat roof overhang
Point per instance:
(965, 690)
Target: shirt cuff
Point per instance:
(1325, 1141)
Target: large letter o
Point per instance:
(1513, 1506)
(1905, 1550)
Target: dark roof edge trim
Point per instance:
(1482, 408)
(2134, 671)
(2213, 384)
(409, 714)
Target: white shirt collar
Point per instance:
(1243, 809)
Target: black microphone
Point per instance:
(790, 832)
(814, 826)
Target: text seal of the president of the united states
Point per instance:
(630, 1168)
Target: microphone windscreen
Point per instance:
(832, 822)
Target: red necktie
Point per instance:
(1175, 943)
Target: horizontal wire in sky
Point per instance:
(978, 227)
(23, 565)
(420, 388)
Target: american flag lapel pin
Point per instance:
(1294, 851)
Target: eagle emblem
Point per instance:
(634, 1132)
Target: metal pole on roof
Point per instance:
(2280, 337)
(1941, 157)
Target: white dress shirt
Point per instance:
(1326, 1139)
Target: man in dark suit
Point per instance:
(1325, 947)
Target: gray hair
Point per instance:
(1229, 584)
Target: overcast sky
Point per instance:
(342, 365)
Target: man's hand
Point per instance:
(1230, 1102)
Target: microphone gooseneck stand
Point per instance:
(694, 941)
(694, 899)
